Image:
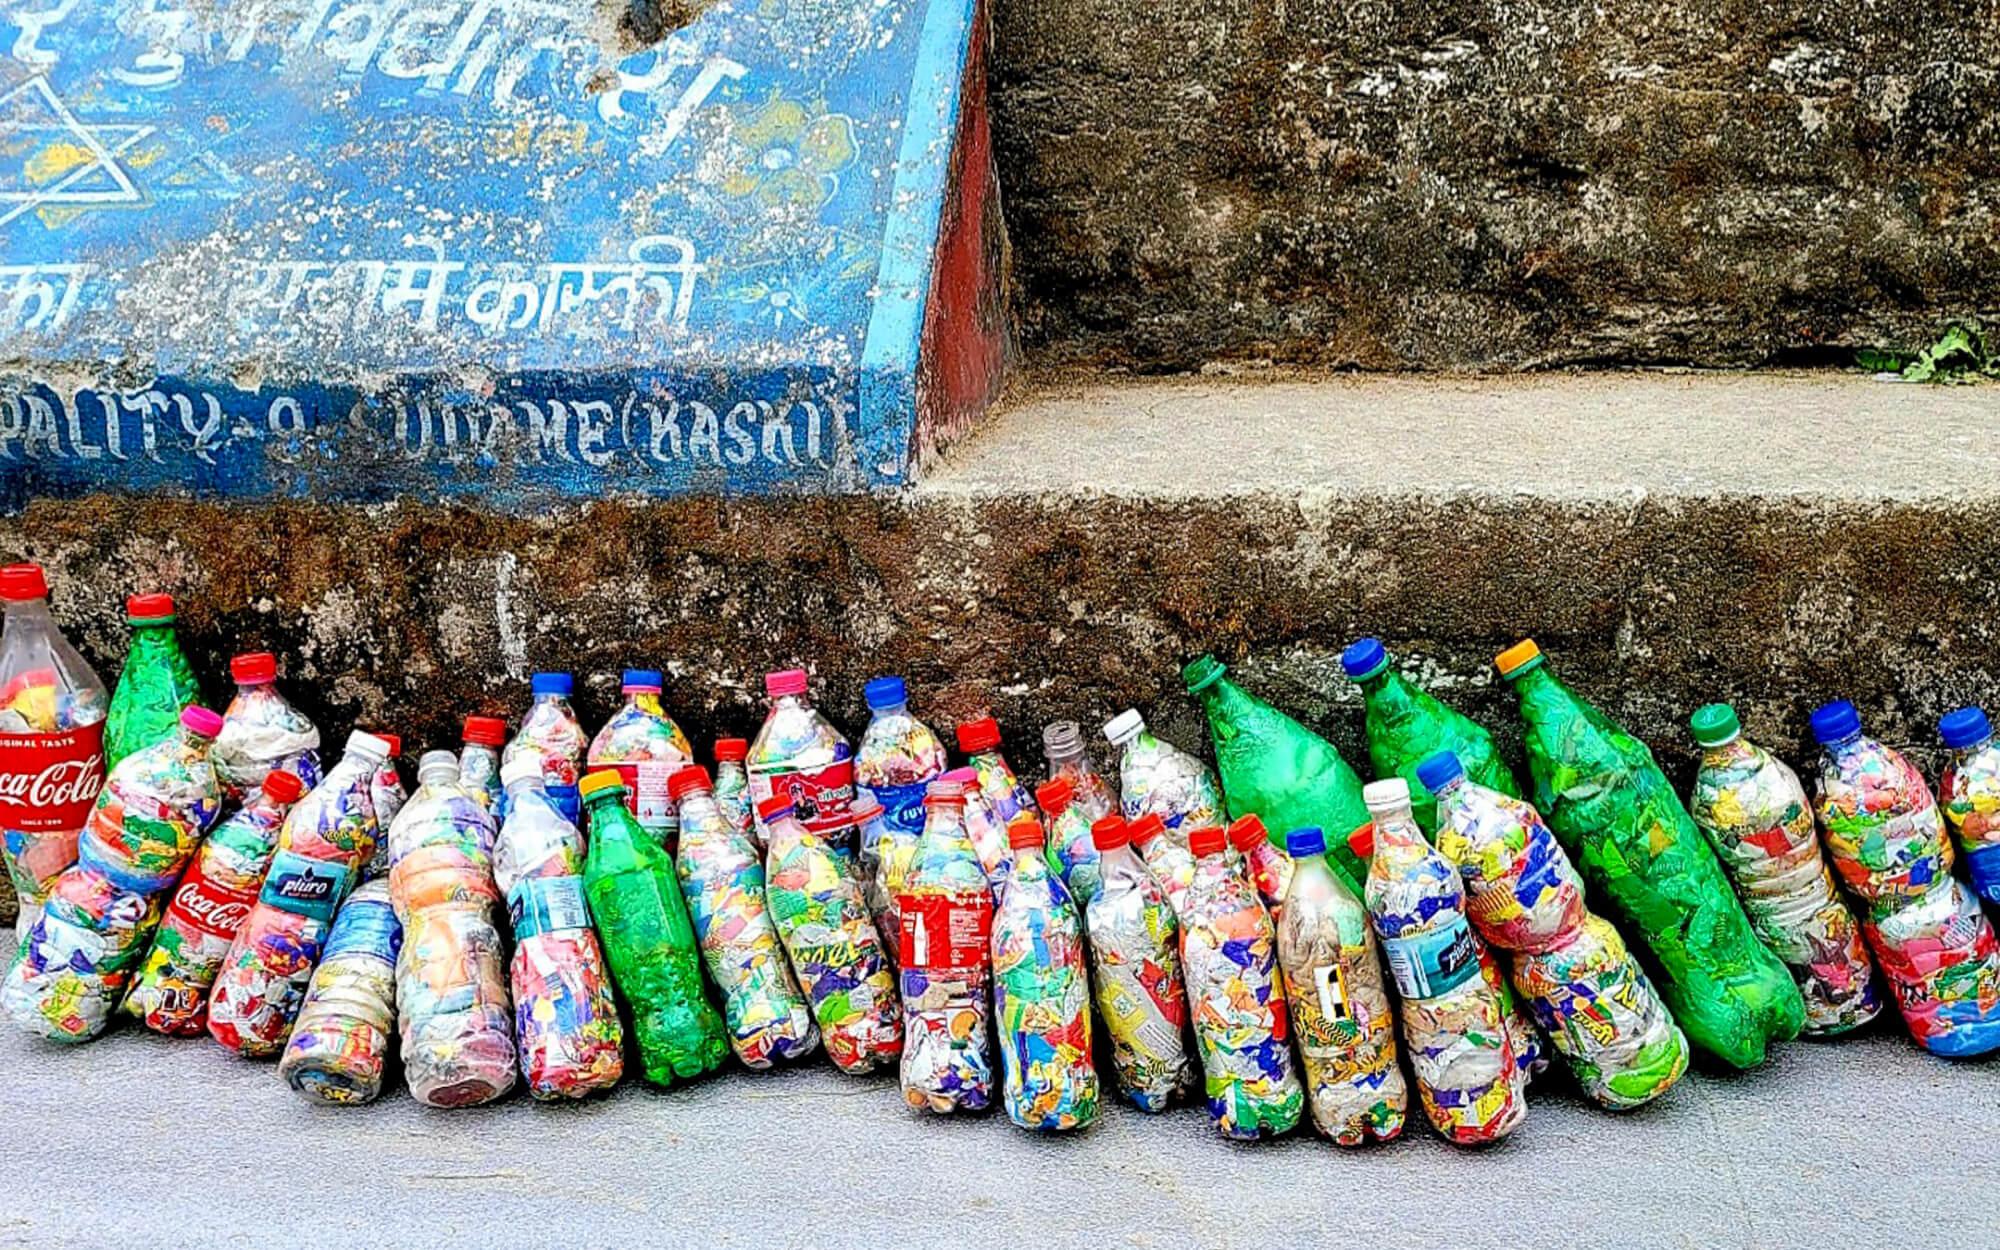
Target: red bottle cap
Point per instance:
(254, 669)
(1207, 840)
(979, 735)
(145, 609)
(395, 742)
(1246, 832)
(686, 781)
(1054, 796)
(20, 582)
(777, 807)
(1109, 832)
(1025, 831)
(785, 681)
(1145, 829)
(1362, 840)
(284, 787)
(486, 731)
(731, 749)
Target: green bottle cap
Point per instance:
(1202, 673)
(1714, 724)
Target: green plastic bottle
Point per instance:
(1614, 812)
(1406, 725)
(1276, 769)
(157, 682)
(635, 901)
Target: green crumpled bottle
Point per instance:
(1276, 769)
(1615, 813)
(635, 901)
(1406, 726)
(157, 682)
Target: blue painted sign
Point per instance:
(493, 249)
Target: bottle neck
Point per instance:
(28, 612)
(524, 785)
(1397, 827)
(1971, 749)
(1725, 754)
(889, 709)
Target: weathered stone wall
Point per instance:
(408, 618)
(1497, 183)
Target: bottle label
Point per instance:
(49, 781)
(367, 926)
(902, 807)
(547, 905)
(1426, 965)
(821, 797)
(646, 794)
(304, 886)
(209, 908)
(946, 933)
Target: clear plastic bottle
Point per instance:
(1339, 1003)
(1969, 793)
(451, 978)
(551, 732)
(1171, 863)
(894, 852)
(946, 960)
(479, 763)
(1584, 986)
(1755, 814)
(209, 905)
(984, 826)
(1888, 844)
(1454, 1020)
(1157, 778)
(328, 837)
(565, 1019)
(1136, 973)
(1041, 994)
(899, 756)
(1269, 868)
(874, 838)
(72, 969)
(155, 684)
(979, 739)
(1071, 853)
(387, 794)
(339, 1049)
(722, 877)
(52, 709)
(644, 746)
(732, 788)
(799, 755)
(262, 732)
(1069, 760)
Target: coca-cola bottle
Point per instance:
(52, 710)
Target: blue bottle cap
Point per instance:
(885, 692)
(552, 683)
(643, 679)
(1965, 727)
(1310, 840)
(1363, 659)
(1834, 721)
(1439, 770)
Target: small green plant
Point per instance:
(1963, 353)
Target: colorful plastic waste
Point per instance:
(1171, 864)
(635, 901)
(1157, 778)
(947, 912)
(566, 1024)
(899, 756)
(1136, 973)
(1585, 988)
(387, 794)
(800, 755)
(262, 732)
(72, 969)
(1888, 844)
(1754, 812)
(722, 879)
(1041, 993)
(1454, 1020)
(1969, 792)
(1275, 768)
(1625, 829)
(1405, 725)
(984, 826)
(979, 739)
(1268, 868)
(1339, 1005)
(327, 838)
(213, 899)
(52, 709)
(644, 746)
(732, 788)
(339, 1049)
(156, 683)
(831, 939)
(479, 763)
(871, 824)
(551, 733)
(1236, 997)
(1069, 760)
(1071, 853)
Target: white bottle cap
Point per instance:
(527, 766)
(1386, 795)
(1124, 727)
(369, 747)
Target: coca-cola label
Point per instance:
(303, 886)
(49, 781)
(203, 905)
(822, 798)
(946, 933)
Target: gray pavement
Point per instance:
(135, 1141)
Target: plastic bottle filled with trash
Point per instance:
(262, 732)
(1171, 864)
(1135, 953)
(979, 739)
(872, 838)
(1754, 812)
(1888, 844)
(1069, 760)
(551, 733)
(1274, 767)
(156, 683)
(899, 756)
(1646, 864)
(644, 746)
(1269, 869)
(946, 961)
(1071, 853)
(327, 838)
(52, 709)
(798, 754)
(732, 788)
(387, 794)
(1237, 998)
(213, 899)
(570, 1042)
(1041, 994)
(831, 939)
(894, 849)
(1405, 725)
(1157, 778)
(339, 1048)
(1339, 1005)
(1969, 792)
(1454, 1019)
(74, 966)
(983, 825)
(452, 1003)
(1572, 967)
(479, 763)
(722, 878)
(635, 901)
